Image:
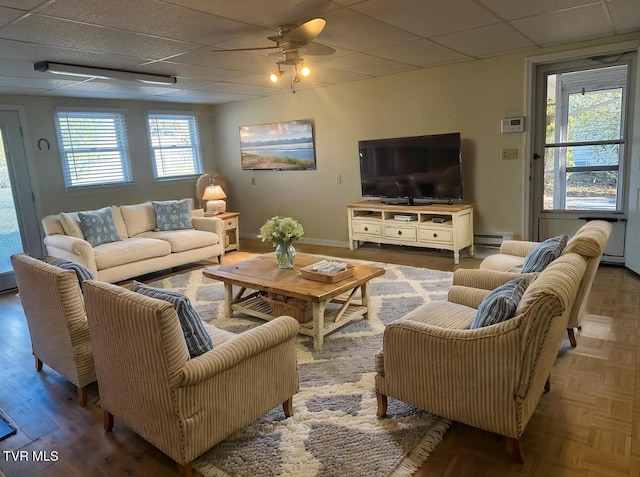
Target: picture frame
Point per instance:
(288, 145)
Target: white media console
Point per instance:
(439, 226)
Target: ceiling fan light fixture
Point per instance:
(275, 76)
(305, 71)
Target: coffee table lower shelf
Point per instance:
(332, 317)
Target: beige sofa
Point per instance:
(141, 250)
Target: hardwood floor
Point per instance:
(587, 425)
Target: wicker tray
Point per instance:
(310, 274)
(280, 305)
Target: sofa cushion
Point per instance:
(443, 314)
(71, 222)
(197, 339)
(183, 240)
(98, 227)
(131, 250)
(82, 272)
(500, 304)
(138, 218)
(544, 253)
(172, 214)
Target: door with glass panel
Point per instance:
(19, 230)
(581, 148)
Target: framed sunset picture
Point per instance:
(278, 146)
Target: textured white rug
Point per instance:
(334, 431)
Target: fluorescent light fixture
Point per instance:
(102, 73)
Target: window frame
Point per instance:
(71, 164)
(595, 79)
(191, 117)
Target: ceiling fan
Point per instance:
(289, 41)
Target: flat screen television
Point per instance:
(423, 168)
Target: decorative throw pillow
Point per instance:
(82, 272)
(198, 341)
(500, 304)
(98, 227)
(172, 215)
(544, 253)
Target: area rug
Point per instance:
(334, 430)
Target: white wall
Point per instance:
(51, 194)
(469, 98)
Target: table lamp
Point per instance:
(214, 194)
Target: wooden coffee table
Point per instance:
(261, 274)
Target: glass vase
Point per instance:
(285, 255)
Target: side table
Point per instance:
(231, 228)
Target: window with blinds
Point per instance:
(175, 145)
(93, 147)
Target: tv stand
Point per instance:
(438, 226)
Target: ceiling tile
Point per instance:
(7, 15)
(568, 25)
(420, 53)
(235, 88)
(485, 41)
(70, 34)
(509, 10)
(367, 65)
(150, 17)
(238, 61)
(358, 32)
(625, 15)
(192, 72)
(24, 5)
(428, 19)
(264, 13)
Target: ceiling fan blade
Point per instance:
(306, 32)
(318, 49)
(305, 9)
(246, 49)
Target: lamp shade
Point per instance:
(214, 192)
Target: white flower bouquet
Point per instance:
(281, 230)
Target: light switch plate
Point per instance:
(509, 154)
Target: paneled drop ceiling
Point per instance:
(180, 37)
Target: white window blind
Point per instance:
(93, 146)
(175, 145)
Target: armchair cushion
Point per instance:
(98, 227)
(172, 215)
(544, 253)
(500, 304)
(196, 336)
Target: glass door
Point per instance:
(582, 147)
(19, 230)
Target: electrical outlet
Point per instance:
(253, 181)
(338, 179)
(509, 154)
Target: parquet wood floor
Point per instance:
(588, 425)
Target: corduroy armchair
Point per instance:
(491, 377)
(184, 406)
(589, 241)
(54, 308)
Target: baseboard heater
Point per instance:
(492, 239)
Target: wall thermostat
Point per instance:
(510, 125)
